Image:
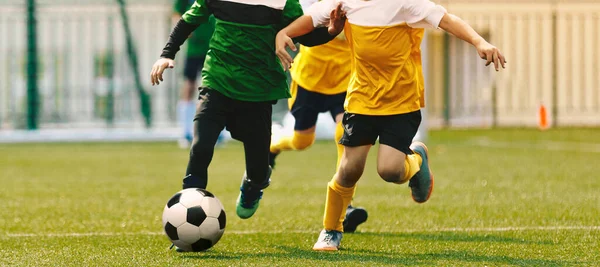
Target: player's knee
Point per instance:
(391, 174)
(303, 141)
(349, 174)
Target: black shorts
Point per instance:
(306, 106)
(396, 131)
(192, 67)
(246, 121)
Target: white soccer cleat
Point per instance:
(328, 241)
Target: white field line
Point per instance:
(543, 145)
(246, 232)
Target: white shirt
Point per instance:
(415, 13)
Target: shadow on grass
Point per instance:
(295, 253)
(355, 257)
(459, 237)
(210, 255)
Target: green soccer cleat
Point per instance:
(247, 203)
(249, 197)
(421, 184)
(328, 241)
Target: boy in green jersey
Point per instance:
(241, 79)
(197, 46)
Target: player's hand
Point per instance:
(282, 41)
(337, 19)
(158, 69)
(491, 54)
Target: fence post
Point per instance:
(554, 68)
(145, 103)
(422, 133)
(32, 68)
(446, 79)
(110, 68)
(494, 105)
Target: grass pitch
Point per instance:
(501, 198)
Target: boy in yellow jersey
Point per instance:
(319, 81)
(385, 93)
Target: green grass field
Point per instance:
(502, 198)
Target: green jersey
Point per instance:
(241, 61)
(197, 43)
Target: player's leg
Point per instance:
(335, 106)
(340, 189)
(251, 124)
(304, 107)
(354, 215)
(209, 122)
(186, 107)
(399, 160)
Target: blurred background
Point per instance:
(506, 193)
(79, 69)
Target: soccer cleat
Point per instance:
(272, 157)
(249, 197)
(354, 217)
(328, 241)
(421, 184)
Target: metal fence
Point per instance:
(82, 58)
(85, 79)
(551, 47)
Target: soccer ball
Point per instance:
(194, 219)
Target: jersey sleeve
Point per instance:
(423, 14)
(197, 14)
(320, 11)
(291, 12)
(306, 4)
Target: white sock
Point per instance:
(181, 116)
(190, 113)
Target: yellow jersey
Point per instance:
(384, 38)
(323, 69)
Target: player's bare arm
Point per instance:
(302, 26)
(459, 28)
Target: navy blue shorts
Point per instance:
(192, 67)
(306, 106)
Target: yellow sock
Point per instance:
(297, 141)
(338, 198)
(412, 165)
(339, 132)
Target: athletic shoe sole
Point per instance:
(428, 169)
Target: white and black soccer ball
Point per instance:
(194, 219)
